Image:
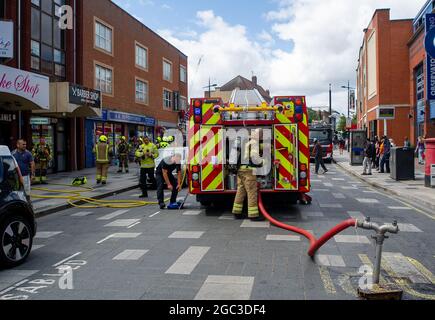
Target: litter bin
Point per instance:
(402, 164)
(430, 163)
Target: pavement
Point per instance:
(203, 253)
(412, 191)
(117, 183)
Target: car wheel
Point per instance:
(15, 241)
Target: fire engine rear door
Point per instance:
(286, 157)
(212, 158)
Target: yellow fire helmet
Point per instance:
(123, 138)
(103, 138)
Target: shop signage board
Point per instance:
(30, 86)
(386, 113)
(115, 116)
(6, 39)
(7, 117)
(430, 62)
(80, 95)
(35, 121)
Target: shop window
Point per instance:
(103, 37)
(167, 70)
(103, 79)
(141, 57)
(35, 64)
(141, 91)
(36, 2)
(167, 99)
(183, 74)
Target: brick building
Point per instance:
(383, 78)
(135, 81)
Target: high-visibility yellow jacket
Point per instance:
(147, 162)
(102, 153)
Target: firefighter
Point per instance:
(42, 155)
(146, 154)
(102, 153)
(247, 180)
(123, 150)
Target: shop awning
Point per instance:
(22, 90)
(70, 100)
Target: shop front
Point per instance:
(114, 125)
(20, 93)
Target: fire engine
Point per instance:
(324, 134)
(211, 177)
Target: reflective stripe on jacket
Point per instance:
(102, 153)
(147, 162)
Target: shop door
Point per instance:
(5, 135)
(61, 152)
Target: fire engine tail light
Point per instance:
(195, 184)
(196, 177)
(303, 175)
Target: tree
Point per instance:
(341, 127)
(313, 115)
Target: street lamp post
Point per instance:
(209, 87)
(348, 87)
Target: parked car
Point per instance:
(17, 219)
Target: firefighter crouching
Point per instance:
(123, 151)
(42, 155)
(146, 154)
(102, 153)
(247, 181)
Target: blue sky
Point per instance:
(294, 47)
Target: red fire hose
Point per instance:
(314, 244)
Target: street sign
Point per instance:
(430, 62)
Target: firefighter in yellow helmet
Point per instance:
(42, 155)
(247, 180)
(102, 153)
(146, 154)
(123, 150)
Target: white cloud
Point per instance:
(326, 37)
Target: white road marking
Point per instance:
(47, 234)
(37, 246)
(403, 268)
(330, 185)
(255, 224)
(349, 188)
(113, 215)
(153, 215)
(186, 235)
(81, 214)
(338, 179)
(407, 227)
(339, 196)
(272, 237)
(226, 217)
(120, 236)
(131, 255)
(351, 239)
(330, 205)
(133, 225)
(67, 259)
(192, 213)
(122, 223)
(400, 208)
(10, 279)
(356, 215)
(312, 214)
(226, 288)
(367, 200)
(329, 260)
(188, 261)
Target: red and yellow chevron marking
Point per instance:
(212, 156)
(286, 153)
(304, 148)
(208, 116)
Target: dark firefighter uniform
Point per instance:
(123, 150)
(146, 154)
(102, 153)
(247, 182)
(42, 155)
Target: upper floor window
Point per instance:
(183, 74)
(104, 79)
(183, 103)
(103, 37)
(167, 70)
(141, 56)
(167, 99)
(141, 91)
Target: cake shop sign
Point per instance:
(31, 86)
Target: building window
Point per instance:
(103, 37)
(167, 99)
(141, 57)
(2, 9)
(47, 39)
(183, 103)
(141, 91)
(183, 74)
(103, 79)
(167, 70)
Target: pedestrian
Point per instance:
(26, 164)
(318, 156)
(420, 150)
(407, 143)
(102, 153)
(123, 150)
(247, 185)
(42, 156)
(385, 158)
(342, 145)
(375, 152)
(164, 175)
(369, 150)
(146, 154)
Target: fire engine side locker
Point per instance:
(212, 158)
(286, 153)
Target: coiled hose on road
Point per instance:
(315, 244)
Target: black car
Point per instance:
(17, 219)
